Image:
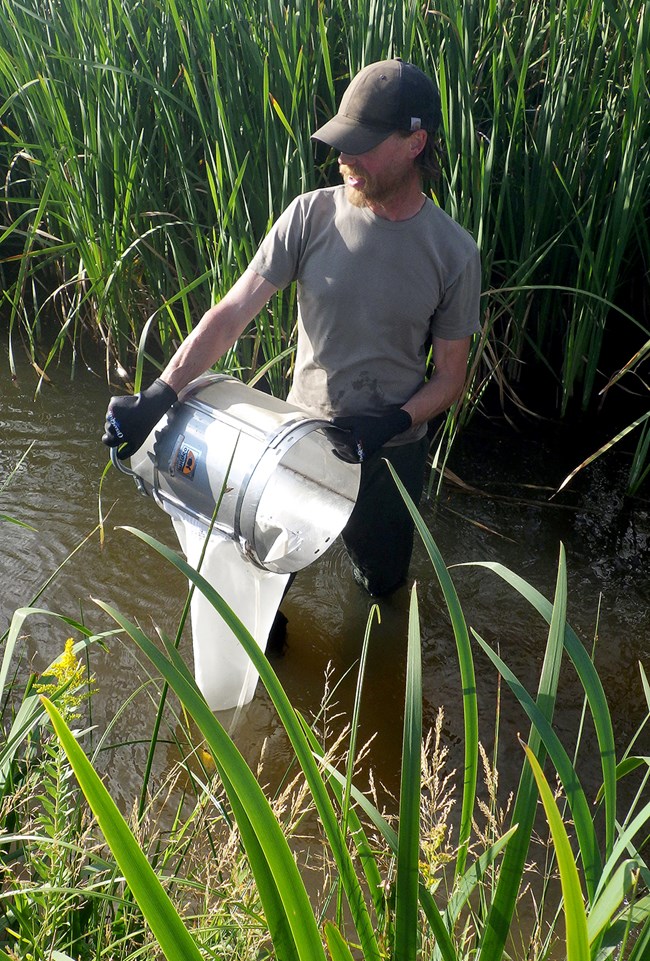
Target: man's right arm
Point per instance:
(218, 330)
(130, 419)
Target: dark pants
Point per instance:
(379, 533)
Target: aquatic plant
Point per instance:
(144, 157)
(400, 894)
(43, 828)
(640, 463)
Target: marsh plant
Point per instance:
(144, 152)
(227, 878)
(44, 831)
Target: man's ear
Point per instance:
(417, 142)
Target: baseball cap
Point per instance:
(384, 97)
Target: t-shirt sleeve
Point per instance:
(458, 313)
(278, 256)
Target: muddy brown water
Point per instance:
(506, 518)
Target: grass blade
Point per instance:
(339, 786)
(286, 905)
(173, 937)
(429, 906)
(408, 845)
(624, 843)
(468, 679)
(577, 941)
(577, 801)
(300, 744)
(354, 728)
(338, 948)
(641, 949)
(611, 898)
(473, 876)
(503, 904)
(593, 689)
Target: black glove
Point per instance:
(130, 419)
(364, 435)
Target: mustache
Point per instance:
(345, 169)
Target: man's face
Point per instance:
(380, 174)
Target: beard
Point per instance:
(375, 190)
(356, 197)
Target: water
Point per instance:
(508, 518)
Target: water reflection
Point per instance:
(56, 489)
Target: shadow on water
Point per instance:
(506, 517)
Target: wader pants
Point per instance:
(379, 534)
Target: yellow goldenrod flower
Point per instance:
(68, 672)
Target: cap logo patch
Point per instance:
(416, 123)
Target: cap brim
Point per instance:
(350, 136)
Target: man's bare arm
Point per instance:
(218, 329)
(445, 384)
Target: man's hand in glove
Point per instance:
(365, 435)
(130, 419)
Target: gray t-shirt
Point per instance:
(371, 294)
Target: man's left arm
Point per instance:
(446, 383)
(366, 434)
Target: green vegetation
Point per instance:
(145, 149)
(222, 879)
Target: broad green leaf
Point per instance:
(577, 940)
(468, 680)
(593, 689)
(338, 948)
(293, 727)
(611, 898)
(501, 910)
(286, 905)
(171, 934)
(408, 841)
(575, 795)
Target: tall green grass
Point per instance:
(546, 129)
(147, 148)
(388, 892)
(164, 138)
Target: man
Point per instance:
(383, 274)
